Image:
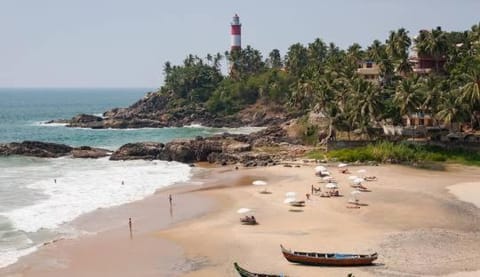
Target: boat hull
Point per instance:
(246, 273)
(328, 259)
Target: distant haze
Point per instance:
(124, 43)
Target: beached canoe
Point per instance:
(246, 273)
(328, 259)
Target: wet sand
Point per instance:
(410, 218)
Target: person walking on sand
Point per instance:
(170, 199)
(130, 227)
(55, 181)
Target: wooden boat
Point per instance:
(297, 203)
(246, 273)
(328, 259)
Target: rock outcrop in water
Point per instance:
(50, 150)
(157, 111)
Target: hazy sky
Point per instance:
(120, 43)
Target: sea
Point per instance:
(40, 196)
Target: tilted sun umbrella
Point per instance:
(358, 181)
(353, 177)
(325, 173)
(342, 165)
(289, 200)
(355, 193)
(320, 168)
(291, 194)
(326, 178)
(361, 170)
(243, 210)
(260, 183)
(331, 186)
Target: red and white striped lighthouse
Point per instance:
(236, 33)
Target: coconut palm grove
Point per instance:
(434, 74)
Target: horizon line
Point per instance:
(75, 87)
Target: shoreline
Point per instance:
(105, 227)
(409, 211)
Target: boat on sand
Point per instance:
(328, 259)
(246, 273)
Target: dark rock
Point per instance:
(36, 149)
(133, 151)
(89, 152)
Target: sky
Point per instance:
(125, 43)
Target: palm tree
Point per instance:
(398, 43)
(451, 110)
(275, 59)
(408, 96)
(432, 43)
(470, 93)
(431, 88)
(296, 59)
(378, 53)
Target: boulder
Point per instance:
(89, 152)
(35, 149)
(137, 151)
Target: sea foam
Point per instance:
(85, 185)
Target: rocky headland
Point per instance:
(158, 110)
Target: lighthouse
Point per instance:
(236, 33)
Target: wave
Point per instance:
(67, 188)
(84, 186)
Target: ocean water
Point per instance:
(39, 197)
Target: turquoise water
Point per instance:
(23, 112)
(39, 197)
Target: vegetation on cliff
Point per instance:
(323, 78)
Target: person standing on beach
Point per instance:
(170, 199)
(130, 227)
(55, 181)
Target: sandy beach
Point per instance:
(409, 217)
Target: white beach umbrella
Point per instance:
(289, 200)
(331, 186)
(353, 177)
(326, 178)
(259, 183)
(355, 193)
(342, 165)
(290, 194)
(243, 210)
(326, 173)
(358, 181)
(361, 170)
(320, 168)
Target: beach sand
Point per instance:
(409, 218)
